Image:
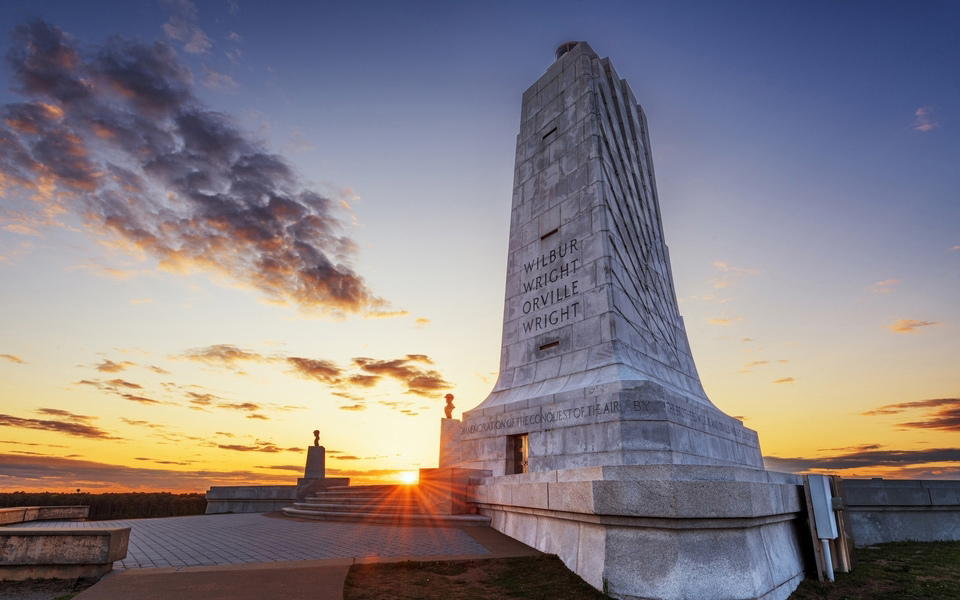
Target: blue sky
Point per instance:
(805, 157)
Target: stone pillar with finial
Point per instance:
(449, 436)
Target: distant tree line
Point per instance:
(108, 507)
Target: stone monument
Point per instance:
(602, 445)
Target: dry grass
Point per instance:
(898, 571)
(525, 578)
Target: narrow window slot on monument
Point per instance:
(517, 454)
(552, 344)
(549, 133)
(549, 233)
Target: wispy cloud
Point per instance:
(422, 382)
(385, 314)
(724, 321)
(884, 287)
(924, 119)
(216, 80)
(784, 380)
(942, 413)
(108, 366)
(116, 134)
(13, 358)
(730, 274)
(323, 371)
(182, 26)
(909, 325)
(63, 422)
(860, 459)
(748, 367)
(44, 473)
(226, 356)
(257, 446)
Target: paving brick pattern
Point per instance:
(253, 538)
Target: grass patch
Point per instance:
(525, 578)
(895, 571)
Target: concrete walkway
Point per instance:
(261, 556)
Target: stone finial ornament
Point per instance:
(448, 409)
(316, 437)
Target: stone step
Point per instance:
(363, 502)
(378, 509)
(421, 519)
(367, 497)
(403, 491)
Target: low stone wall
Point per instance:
(23, 514)
(264, 498)
(660, 531)
(250, 498)
(47, 553)
(889, 510)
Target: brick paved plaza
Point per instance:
(254, 538)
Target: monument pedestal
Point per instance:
(450, 443)
(659, 531)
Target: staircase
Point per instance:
(377, 505)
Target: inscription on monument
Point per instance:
(544, 419)
(550, 289)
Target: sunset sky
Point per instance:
(163, 326)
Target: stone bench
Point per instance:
(23, 514)
(67, 553)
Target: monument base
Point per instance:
(659, 531)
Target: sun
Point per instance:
(409, 477)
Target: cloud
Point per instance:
(884, 287)
(353, 407)
(142, 423)
(864, 458)
(784, 380)
(158, 370)
(13, 358)
(216, 80)
(924, 120)
(421, 322)
(108, 366)
(49, 473)
(909, 325)
(385, 314)
(124, 383)
(942, 413)
(116, 134)
(730, 274)
(257, 446)
(247, 406)
(182, 26)
(323, 371)
(68, 424)
(294, 468)
(140, 399)
(201, 398)
(957, 247)
(419, 381)
(723, 321)
(223, 355)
